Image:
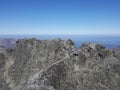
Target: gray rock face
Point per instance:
(57, 65)
(116, 52)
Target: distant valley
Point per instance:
(7, 43)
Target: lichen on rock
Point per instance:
(57, 65)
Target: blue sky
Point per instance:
(89, 17)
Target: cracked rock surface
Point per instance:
(57, 65)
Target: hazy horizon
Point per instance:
(108, 41)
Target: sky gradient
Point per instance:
(90, 17)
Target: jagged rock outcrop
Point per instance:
(116, 52)
(57, 65)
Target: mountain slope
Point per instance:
(57, 65)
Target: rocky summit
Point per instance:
(58, 65)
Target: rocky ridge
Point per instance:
(57, 65)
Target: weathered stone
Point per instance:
(57, 65)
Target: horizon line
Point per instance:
(63, 34)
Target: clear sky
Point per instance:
(60, 17)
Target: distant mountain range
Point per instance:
(6, 43)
